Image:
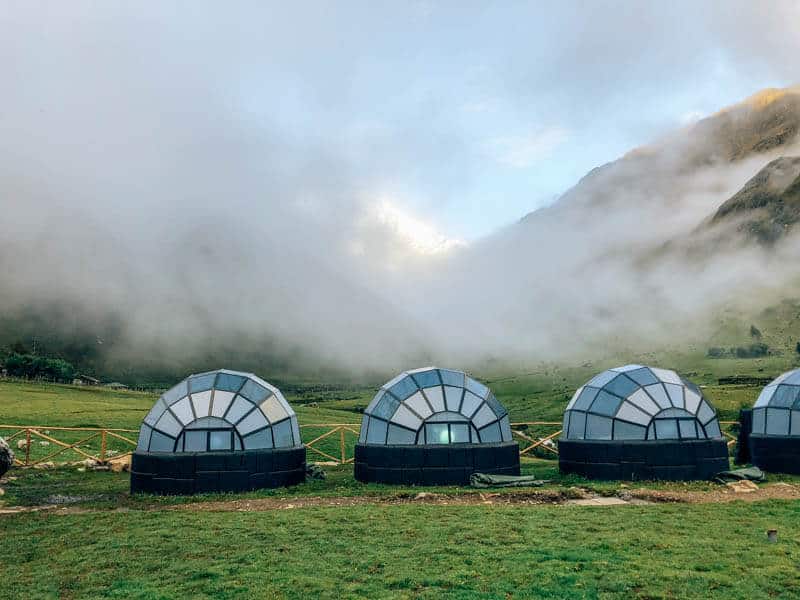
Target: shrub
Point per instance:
(30, 366)
(752, 351)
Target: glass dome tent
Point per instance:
(218, 431)
(637, 422)
(434, 427)
(775, 434)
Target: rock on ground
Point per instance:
(120, 464)
(742, 487)
(6, 457)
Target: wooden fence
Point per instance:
(331, 442)
(92, 443)
(346, 438)
(732, 439)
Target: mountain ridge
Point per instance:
(764, 122)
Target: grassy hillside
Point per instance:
(532, 397)
(540, 394)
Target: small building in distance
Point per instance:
(116, 385)
(81, 379)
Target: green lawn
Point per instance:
(407, 551)
(132, 547)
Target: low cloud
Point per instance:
(243, 186)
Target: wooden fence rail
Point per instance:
(345, 430)
(334, 444)
(82, 447)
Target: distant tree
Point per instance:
(752, 351)
(797, 348)
(716, 352)
(19, 347)
(33, 367)
(754, 332)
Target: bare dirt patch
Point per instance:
(777, 491)
(438, 499)
(774, 491)
(571, 496)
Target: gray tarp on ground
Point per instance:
(483, 480)
(749, 473)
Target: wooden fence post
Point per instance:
(103, 447)
(341, 444)
(27, 447)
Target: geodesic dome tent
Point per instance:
(637, 422)
(218, 431)
(775, 435)
(434, 427)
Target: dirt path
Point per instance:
(773, 491)
(573, 496)
(262, 504)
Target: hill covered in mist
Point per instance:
(623, 259)
(767, 207)
(216, 261)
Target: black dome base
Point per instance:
(775, 453)
(200, 472)
(674, 460)
(434, 464)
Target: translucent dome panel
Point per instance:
(636, 402)
(434, 406)
(220, 411)
(777, 409)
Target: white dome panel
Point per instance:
(434, 406)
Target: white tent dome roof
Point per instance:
(777, 410)
(635, 402)
(220, 410)
(434, 406)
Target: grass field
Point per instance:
(105, 543)
(407, 551)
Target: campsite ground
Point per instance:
(379, 551)
(340, 538)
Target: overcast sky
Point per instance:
(454, 117)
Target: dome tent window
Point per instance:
(218, 431)
(434, 426)
(637, 422)
(775, 435)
